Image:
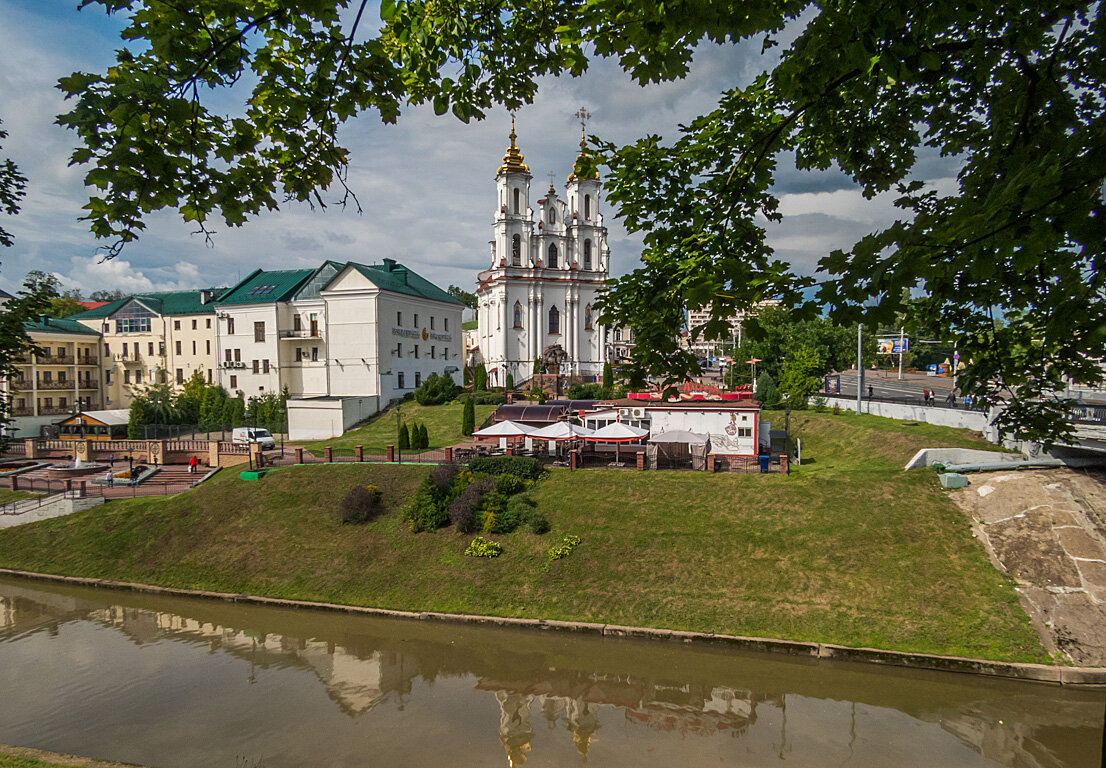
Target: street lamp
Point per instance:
(787, 436)
(753, 362)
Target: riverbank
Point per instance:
(848, 551)
(25, 757)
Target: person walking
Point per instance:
(925, 396)
(192, 463)
(869, 391)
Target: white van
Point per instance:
(247, 435)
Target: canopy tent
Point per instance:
(680, 436)
(617, 433)
(561, 430)
(505, 429)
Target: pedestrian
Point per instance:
(968, 401)
(869, 391)
(111, 479)
(111, 462)
(951, 399)
(192, 462)
(925, 396)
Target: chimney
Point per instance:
(206, 295)
(389, 265)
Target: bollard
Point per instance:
(299, 455)
(358, 453)
(391, 453)
(327, 454)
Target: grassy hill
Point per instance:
(443, 427)
(848, 549)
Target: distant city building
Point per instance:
(696, 318)
(545, 276)
(620, 343)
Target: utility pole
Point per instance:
(902, 341)
(859, 365)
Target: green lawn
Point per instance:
(848, 549)
(443, 427)
(7, 496)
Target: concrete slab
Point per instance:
(1078, 542)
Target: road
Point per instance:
(886, 384)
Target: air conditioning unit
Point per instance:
(638, 413)
(625, 413)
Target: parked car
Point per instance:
(246, 435)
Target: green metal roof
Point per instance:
(263, 287)
(161, 302)
(53, 325)
(393, 276)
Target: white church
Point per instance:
(545, 275)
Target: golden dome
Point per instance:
(512, 161)
(577, 167)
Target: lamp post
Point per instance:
(399, 424)
(753, 362)
(787, 437)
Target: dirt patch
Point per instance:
(1045, 529)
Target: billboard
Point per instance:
(893, 346)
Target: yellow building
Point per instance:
(153, 337)
(64, 378)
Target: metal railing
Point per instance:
(1083, 414)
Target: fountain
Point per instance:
(79, 468)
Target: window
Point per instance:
(264, 366)
(314, 324)
(618, 334)
(587, 317)
(259, 330)
(193, 325)
(261, 290)
(237, 355)
(107, 377)
(399, 349)
(230, 326)
(208, 344)
(744, 431)
(126, 377)
(418, 379)
(587, 254)
(61, 377)
(62, 402)
(210, 377)
(180, 375)
(134, 318)
(587, 206)
(209, 325)
(228, 353)
(160, 376)
(233, 382)
(416, 323)
(399, 380)
(257, 366)
(176, 325)
(516, 199)
(516, 250)
(416, 351)
(445, 323)
(61, 351)
(552, 216)
(149, 348)
(518, 315)
(554, 320)
(48, 402)
(193, 346)
(125, 350)
(552, 255)
(445, 353)
(177, 346)
(107, 349)
(314, 354)
(161, 348)
(399, 319)
(299, 355)
(431, 322)
(297, 323)
(432, 350)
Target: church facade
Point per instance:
(549, 265)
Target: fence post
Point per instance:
(15, 482)
(358, 453)
(391, 453)
(710, 462)
(30, 448)
(449, 454)
(299, 455)
(327, 457)
(572, 461)
(82, 489)
(784, 467)
(641, 460)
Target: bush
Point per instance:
(468, 417)
(463, 509)
(586, 392)
(404, 438)
(481, 548)
(509, 485)
(360, 505)
(493, 517)
(819, 403)
(526, 467)
(443, 477)
(436, 390)
(427, 510)
(424, 437)
(489, 398)
(565, 549)
(510, 382)
(480, 378)
(524, 510)
(836, 409)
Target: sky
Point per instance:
(426, 184)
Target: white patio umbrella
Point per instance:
(506, 428)
(561, 430)
(617, 432)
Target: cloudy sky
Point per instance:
(426, 184)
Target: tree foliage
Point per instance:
(1012, 91)
(13, 186)
(32, 300)
(463, 296)
(436, 390)
(468, 417)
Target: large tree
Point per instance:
(1012, 91)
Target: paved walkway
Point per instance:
(1045, 528)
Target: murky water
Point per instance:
(172, 682)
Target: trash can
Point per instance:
(764, 462)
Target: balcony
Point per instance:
(128, 359)
(303, 333)
(52, 385)
(232, 364)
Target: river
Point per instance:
(177, 682)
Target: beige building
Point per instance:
(699, 317)
(153, 337)
(63, 379)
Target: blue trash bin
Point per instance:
(764, 460)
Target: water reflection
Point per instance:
(415, 690)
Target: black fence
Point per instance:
(85, 488)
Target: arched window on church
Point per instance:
(516, 250)
(552, 216)
(587, 318)
(554, 320)
(552, 255)
(587, 206)
(618, 334)
(516, 199)
(587, 254)
(518, 315)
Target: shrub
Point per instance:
(525, 467)
(480, 378)
(443, 476)
(523, 509)
(436, 390)
(489, 398)
(463, 509)
(836, 409)
(404, 437)
(481, 548)
(819, 403)
(424, 437)
(509, 485)
(426, 511)
(360, 505)
(510, 382)
(585, 391)
(565, 549)
(468, 417)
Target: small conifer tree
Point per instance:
(468, 417)
(404, 437)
